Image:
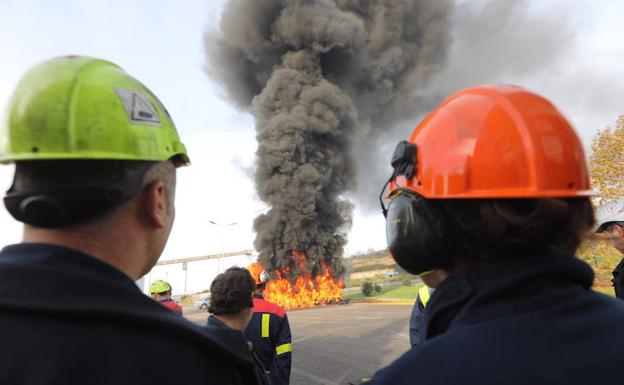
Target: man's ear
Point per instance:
(155, 203)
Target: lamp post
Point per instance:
(222, 226)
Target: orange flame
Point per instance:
(307, 290)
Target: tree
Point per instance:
(606, 164)
(606, 169)
(367, 288)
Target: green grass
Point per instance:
(402, 292)
(397, 292)
(410, 292)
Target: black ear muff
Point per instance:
(43, 210)
(403, 163)
(61, 208)
(418, 233)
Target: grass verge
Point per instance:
(410, 293)
(397, 292)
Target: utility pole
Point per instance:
(184, 267)
(222, 226)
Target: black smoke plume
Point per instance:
(320, 75)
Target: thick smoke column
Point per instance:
(318, 76)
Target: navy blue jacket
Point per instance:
(214, 322)
(517, 323)
(618, 280)
(68, 318)
(416, 323)
(269, 332)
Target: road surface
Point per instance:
(337, 344)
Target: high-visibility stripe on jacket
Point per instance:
(424, 295)
(418, 314)
(269, 332)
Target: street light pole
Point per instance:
(222, 226)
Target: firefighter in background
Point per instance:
(269, 331)
(492, 189)
(160, 292)
(610, 220)
(231, 306)
(431, 280)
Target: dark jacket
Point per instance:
(269, 332)
(68, 318)
(517, 323)
(214, 322)
(416, 323)
(618, 280)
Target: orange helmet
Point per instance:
(497, 141)
(258, 273)
(490, 142)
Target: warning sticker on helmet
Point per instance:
(139, 107)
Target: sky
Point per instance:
(160, 43)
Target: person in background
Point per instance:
(269, 331)
(610, 220)
(160, 292)
(431, 279)
(492, 188)
(231, 306)
(95, 156)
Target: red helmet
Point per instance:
(498, 141)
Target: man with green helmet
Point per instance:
(160, 291)
(95, 155)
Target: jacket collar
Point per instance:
(505, 288)
(214, 321)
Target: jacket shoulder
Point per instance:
(263, 306)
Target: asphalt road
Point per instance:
(337, 344)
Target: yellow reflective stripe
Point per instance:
(265, 325)
(283, 349)
(424, 295)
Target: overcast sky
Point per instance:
(579, 45)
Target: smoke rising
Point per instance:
(319, 76)
(530, 43)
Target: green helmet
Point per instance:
(79, 107)
(159, 286)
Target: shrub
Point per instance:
(378, 288)
(367, 288)
(406, 281)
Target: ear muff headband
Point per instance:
(66, 206)
(63, 208)
(418, 233)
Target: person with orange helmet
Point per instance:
(269, 331)
(492, 190)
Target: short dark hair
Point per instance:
(608, 227)
(231, 291)
(76, 190)
(498, 229)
